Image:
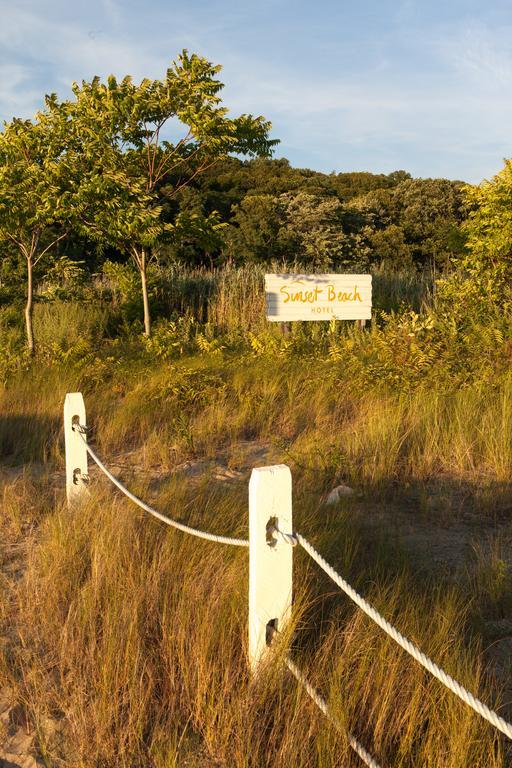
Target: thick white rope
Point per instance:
(154, 512)
(322, 706)
(428, 664)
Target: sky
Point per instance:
(352, 85)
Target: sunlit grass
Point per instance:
(133, 636)
(136, 635)
(309, 412)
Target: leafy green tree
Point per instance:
(294, 226)
(374, 209)
(198, 238)
(33, 190)
(357, 183)
(255, 234)
(481, 288)
(314, 224)
(130, 170)
(489, 226)
(390, 248)
(430, 212)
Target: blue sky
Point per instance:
(360, 85)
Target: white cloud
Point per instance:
(436, 103)
(18, 98)
(68, 50)
(451, 116)
(482, 55)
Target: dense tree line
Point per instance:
(270, 211)
(264, 210)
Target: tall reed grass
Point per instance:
(232, 298)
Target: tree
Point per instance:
(489, 226)
(391, 249)
(316, 224)
(481, 287)
(199, 238)
(430, 212)
(32, 193)
(357, 183)
(294, 226)
(129, 171)
(255, 232)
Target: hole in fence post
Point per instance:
(271, 526)
(270, 631)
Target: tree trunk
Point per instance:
(145, 298)
(29, 307)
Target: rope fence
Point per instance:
(270, 566)
(323, 707)
(403, 642)
(146, 507)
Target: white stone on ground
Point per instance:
(337, 493)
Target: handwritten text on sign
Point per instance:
(318, 297)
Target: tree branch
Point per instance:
(54, 242)
(203, 167)
(136, 257)
(159, 173)
(180, 160)
(18, 243)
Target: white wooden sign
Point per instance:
(318, 297)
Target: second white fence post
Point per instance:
(76, 452)
(270, 557)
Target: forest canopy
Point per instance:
(262, 210)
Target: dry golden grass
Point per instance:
(201, 405)
(134, 636)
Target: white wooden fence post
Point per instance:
(270, 557)
(76, 452)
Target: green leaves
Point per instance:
(489, 227)
(125, 161)
(101, 159)
(32, 184)
(106, 161)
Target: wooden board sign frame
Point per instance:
(318, 297)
